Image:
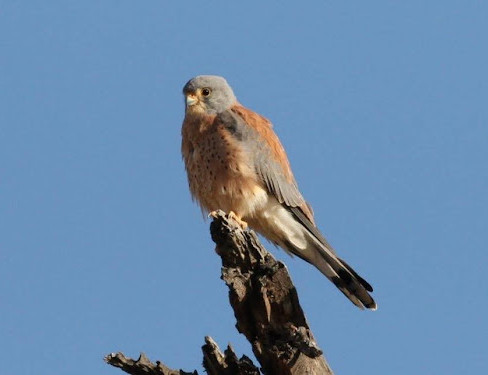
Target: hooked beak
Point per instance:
(191, 100)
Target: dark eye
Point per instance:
(206, 91)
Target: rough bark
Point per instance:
(142, 366)
(217, 363)
(267, 310)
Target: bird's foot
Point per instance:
(213, 214)
(232, 215)
(242, 223)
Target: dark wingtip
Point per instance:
(347, 279)
(363, 282)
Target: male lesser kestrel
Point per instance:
(236, 163)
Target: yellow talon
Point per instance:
(213, 214)
(242, 223)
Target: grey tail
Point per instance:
(353, 286)
(319, 253)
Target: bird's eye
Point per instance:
(206, 91)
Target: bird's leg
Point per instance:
(231, 215)
(242, 223)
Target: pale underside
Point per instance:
(221, 176)
(232, 170)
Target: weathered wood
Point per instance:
(265, 303)
(267, 310)
(142, 366)
(217, 363)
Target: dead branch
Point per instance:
(266, 308)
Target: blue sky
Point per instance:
(381, 106)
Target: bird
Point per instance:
(236, 163)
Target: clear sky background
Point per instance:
(382, 107)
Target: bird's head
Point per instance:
(208, 95)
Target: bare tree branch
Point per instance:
(267, 310)
(218, 363)
(265, 303)
(142, 366)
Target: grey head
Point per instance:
(208, 94)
